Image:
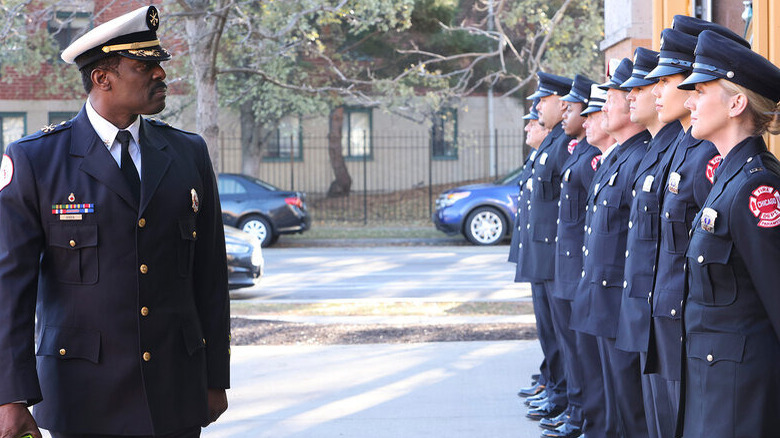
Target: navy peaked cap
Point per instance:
(694, 26)
(718, 57)
(676, 54)
(550, 84)
(598, 97)
(532, 114)
(645, 60)
(619, 75)
(580, 90)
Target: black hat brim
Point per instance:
(539, 94)
(665, 70)
(636, 82)
(696, 78)
(590, 110)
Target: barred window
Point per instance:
(13, 126)
(444, 134)
(356, 133)
(286, 140)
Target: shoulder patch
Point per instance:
(594, 163)
(764, 203)
(6, 171)
(712, 166)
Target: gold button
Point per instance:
(141, 223)
(710, 358)
(144, 311)
(72, 243)
(144, 269)
(673, 312)
(204, 341)
(147, 356)
(62, 352)
(194, 234)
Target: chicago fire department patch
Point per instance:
(765, 205)
(6, 171)
(572, 145)
(712, 165)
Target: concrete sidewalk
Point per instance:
(438, 390)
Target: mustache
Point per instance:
(160, 86)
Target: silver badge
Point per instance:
(648, 184)
(674, 182)
(596, 188)
(543, 159)
(708, 217)
(529, 184)
(533, 155)
(612, 179)
(567, 174)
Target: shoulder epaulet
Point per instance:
(162, 123)
(753, 165)
(48, 130)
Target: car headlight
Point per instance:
(452, 198)
(235, 248)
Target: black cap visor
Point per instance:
(696, 78)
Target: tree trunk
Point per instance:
(251, 141)
(342, 183)
(201, 47)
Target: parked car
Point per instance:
(483, 213)
(260, 209)
(244, 258)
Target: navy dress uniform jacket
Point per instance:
(732, 313)
(600, 288)
(132, 301)
(538, 259)
(577, 176)
(688, 183)
(642, 241)
(519, 222)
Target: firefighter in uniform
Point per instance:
(112, 232)
(731, 319)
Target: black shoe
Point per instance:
(549, 410)
(565, 431)
(535, 378)
(555, 422)
(535, 389)
(534, 398)
(535, 404)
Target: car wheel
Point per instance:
(485, 226)
(258, 227)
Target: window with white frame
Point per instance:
(285, 141)
(12, 128)
(356, 133)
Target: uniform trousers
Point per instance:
(546, 333)
(659, 409)
(623, 389)
(567, 342)
(593, 398)
(186, 433)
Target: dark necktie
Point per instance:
(128, 167)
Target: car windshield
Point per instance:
(509, 177)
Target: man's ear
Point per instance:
(101, 79)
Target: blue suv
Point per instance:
(483, 213)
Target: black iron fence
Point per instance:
(397, 178)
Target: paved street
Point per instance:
(457, 273)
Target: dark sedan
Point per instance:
(260, 209)
(244, 258)
(483, 213)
